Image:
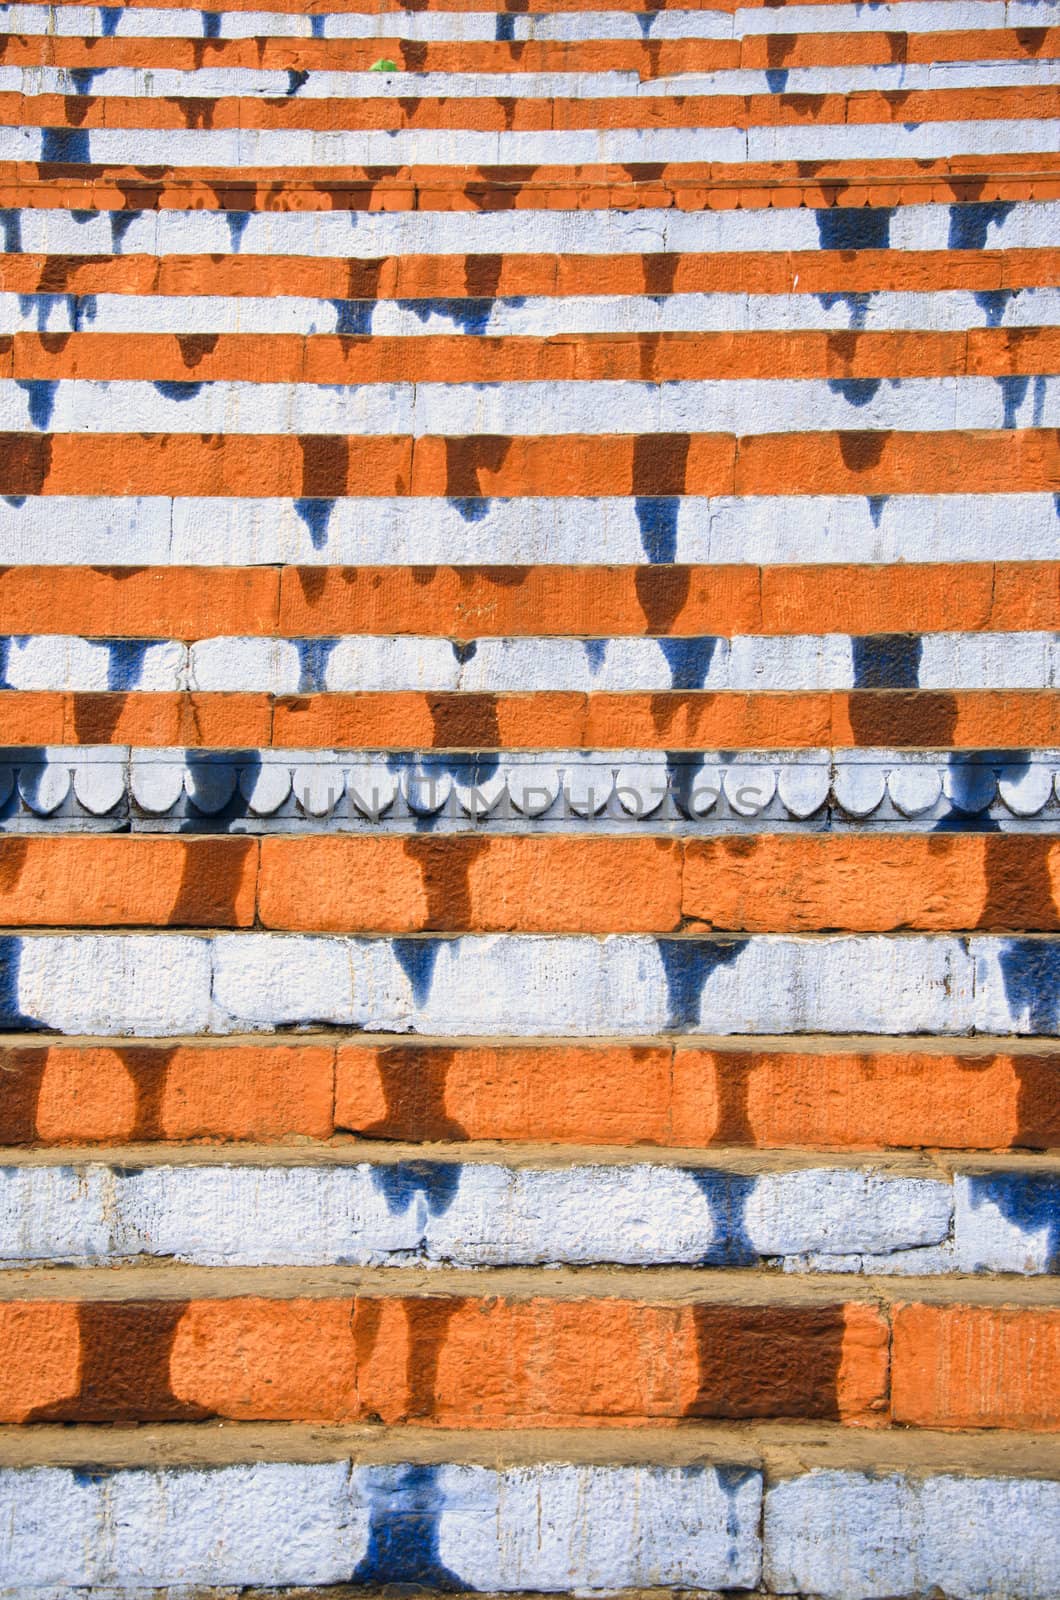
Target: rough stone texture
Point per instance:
(462, 1214)
(549, 1528)
(531, 985)
(751, 793)
(529, 600)
(839, 1534)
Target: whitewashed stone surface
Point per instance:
(467, 1214)
(546, 1528)
(841, 1535)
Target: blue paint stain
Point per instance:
(1030, 969)
(505, 30)
(11, 225)
(64, 144)
(177, 391)
(83, 308)
(120, 223)
(211, 24)
(646, 21)
(727, 1194)
(857, 306)
(681, 772)
(11, 1015)
(688, 660)
(41, 306)
(237, 227)
(855, 391)
(81, 217)
(32, 765)
(657, 520)
(416, 958)
(465, 651)
(776, 79)
(1038, 400)
(470, 316)
(296, 80)
(90, 1477)
(887, 661)
(421, 309)
(992, 303)
(313, 658)
(473, 508)
(595, 650)
(730, 1481)
(687, 965)
(316, 27)
(212, 773)
(15, 501)
(485, 766)
(316, 514)
(406, 1505)
(5, 648)
(109, 17)
(399, 1184)
(855, 227)
(972, 786)
(247, 764)
(969, 223)
(125, 661)
(1029, 1200)
(876, 503)
(1013, 393)
(353, 316)
(203, 767)
(81, 78)
(41, 392)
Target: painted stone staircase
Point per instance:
(530, 798)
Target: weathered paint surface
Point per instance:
(838, 1534)
(457, 1527)
(466, 1215)
(529, 798)
(67, 789)
(156, 985)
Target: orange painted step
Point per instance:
(770, 883)
(654, 58)
(692, 1096)
(193, 603)
(674, 720)
(485, 276)
(830, 1097)
(126, 881)
(130, 1093)
(326, 465)
(452, 1361)
(505, 114)
(633, 186)
(977, 1367)
(456, 358)
(197, 721)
